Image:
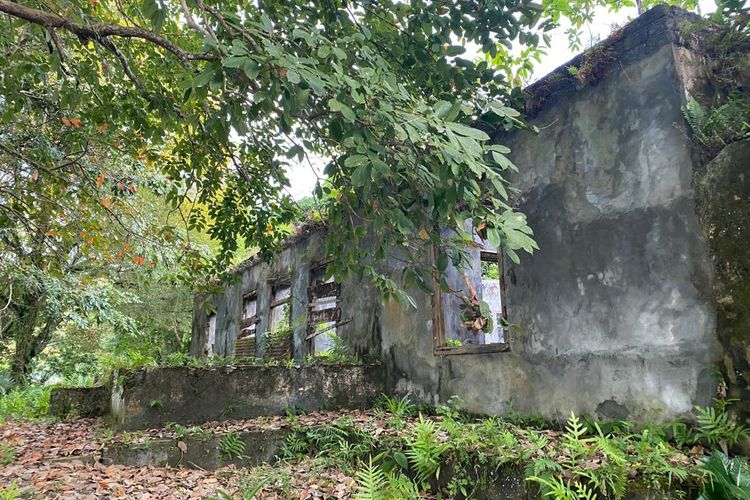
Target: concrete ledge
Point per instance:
(80, 401)
(192, 452)
(154, 397)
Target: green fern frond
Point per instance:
(371, 483)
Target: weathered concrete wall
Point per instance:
(261, 446)
(723, 191)
(614, 316)
(359, 302)
(79, 401)
(153, 397)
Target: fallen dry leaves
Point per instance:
(61, 460)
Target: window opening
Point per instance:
(491, 294)
(244, 347)
(279, 335)
(470, 317)
(324, 313)
(211, 334)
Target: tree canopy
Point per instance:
(222, 96)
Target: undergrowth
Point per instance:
(406, 454)
(720, 113)
(25, 403)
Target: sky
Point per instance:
(303, 177)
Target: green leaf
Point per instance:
(454, 50)
(467, 131)
(361, 175)
(235, 61)
(346, 111)
(442, 261)
(441, 108)
(292, 76)
(505, 111)
(354, 161)
(267, 24)
(251, 69)
(202, 79)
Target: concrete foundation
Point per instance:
(154, 397)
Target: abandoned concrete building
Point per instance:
(624, 312)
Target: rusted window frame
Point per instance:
(438, 318)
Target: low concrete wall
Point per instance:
(153, 397)
(80, 401)
(261, 446)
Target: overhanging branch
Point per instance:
(97, 32)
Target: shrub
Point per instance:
(24, 403)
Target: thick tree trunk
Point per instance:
(31, 333)
(22, 332)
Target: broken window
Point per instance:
(491, 293)
(211, 334)
(244, 347)
(469, 317)
(324, 314)
(279, 334)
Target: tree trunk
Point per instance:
(22, 332)
(31, 334)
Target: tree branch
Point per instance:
(190, 21)
(97, 32)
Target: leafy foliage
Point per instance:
(371, 483)
(425, 449)
(399, 408)
(730, 478)
(718, 428)
(23, 403)
(231, 446)
(7, 454)
(721, 115)
(224, 101)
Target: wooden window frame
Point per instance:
(275, 286)
(334, 312)
(438, 317)
(252, 321)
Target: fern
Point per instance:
(543, 467)
(425, 450)
(717, 427)
(572, 438)
(400, 408)
(231, 446)
(371, 483)
(10, 492)
(560, 490)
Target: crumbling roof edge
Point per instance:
(300, 233)
(639, 38)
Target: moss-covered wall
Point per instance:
(723, 202)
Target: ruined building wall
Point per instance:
(615, 315)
